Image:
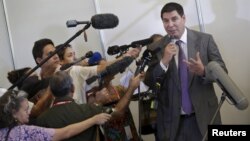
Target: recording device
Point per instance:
(98, 21)
(113, 69)
(122, 49)
(227, 85)
(87, 55)
(143, 62)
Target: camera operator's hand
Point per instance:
(135, 81)
(133, 52)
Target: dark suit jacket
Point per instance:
(201, 89)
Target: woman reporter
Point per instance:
(14, 114)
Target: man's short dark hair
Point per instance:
(172, 6)
(61, 84)
(37, 50)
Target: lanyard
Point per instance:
(61, 103)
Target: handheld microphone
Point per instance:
(227, 85)
(112, 69)
(87, 55)
(98, 21)
(173, 39)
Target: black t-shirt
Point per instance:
(65, 114)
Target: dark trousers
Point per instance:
(188, 129)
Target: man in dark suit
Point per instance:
(174, 121)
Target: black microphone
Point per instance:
(113, 50)
(98, 21)
(142, 42)
(122, 49)
(87, 55)
(216, 72)
(113, 69)
(104, 21)
(146, 57)
(117, 49)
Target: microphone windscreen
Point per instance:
(95, 59)
(71, 23)
(216, 72)
(142, 42)
(104, 21)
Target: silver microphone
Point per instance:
(216, 72)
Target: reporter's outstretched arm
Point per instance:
(132, 52)
(42, 104)
(76, 128)
(125, 100)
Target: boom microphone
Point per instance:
(87, 55)
(227, 85)
(112, 69)
(98, 21)
(103, 21)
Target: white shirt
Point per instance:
(183, 45)
(124, 81)
(79, 75)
